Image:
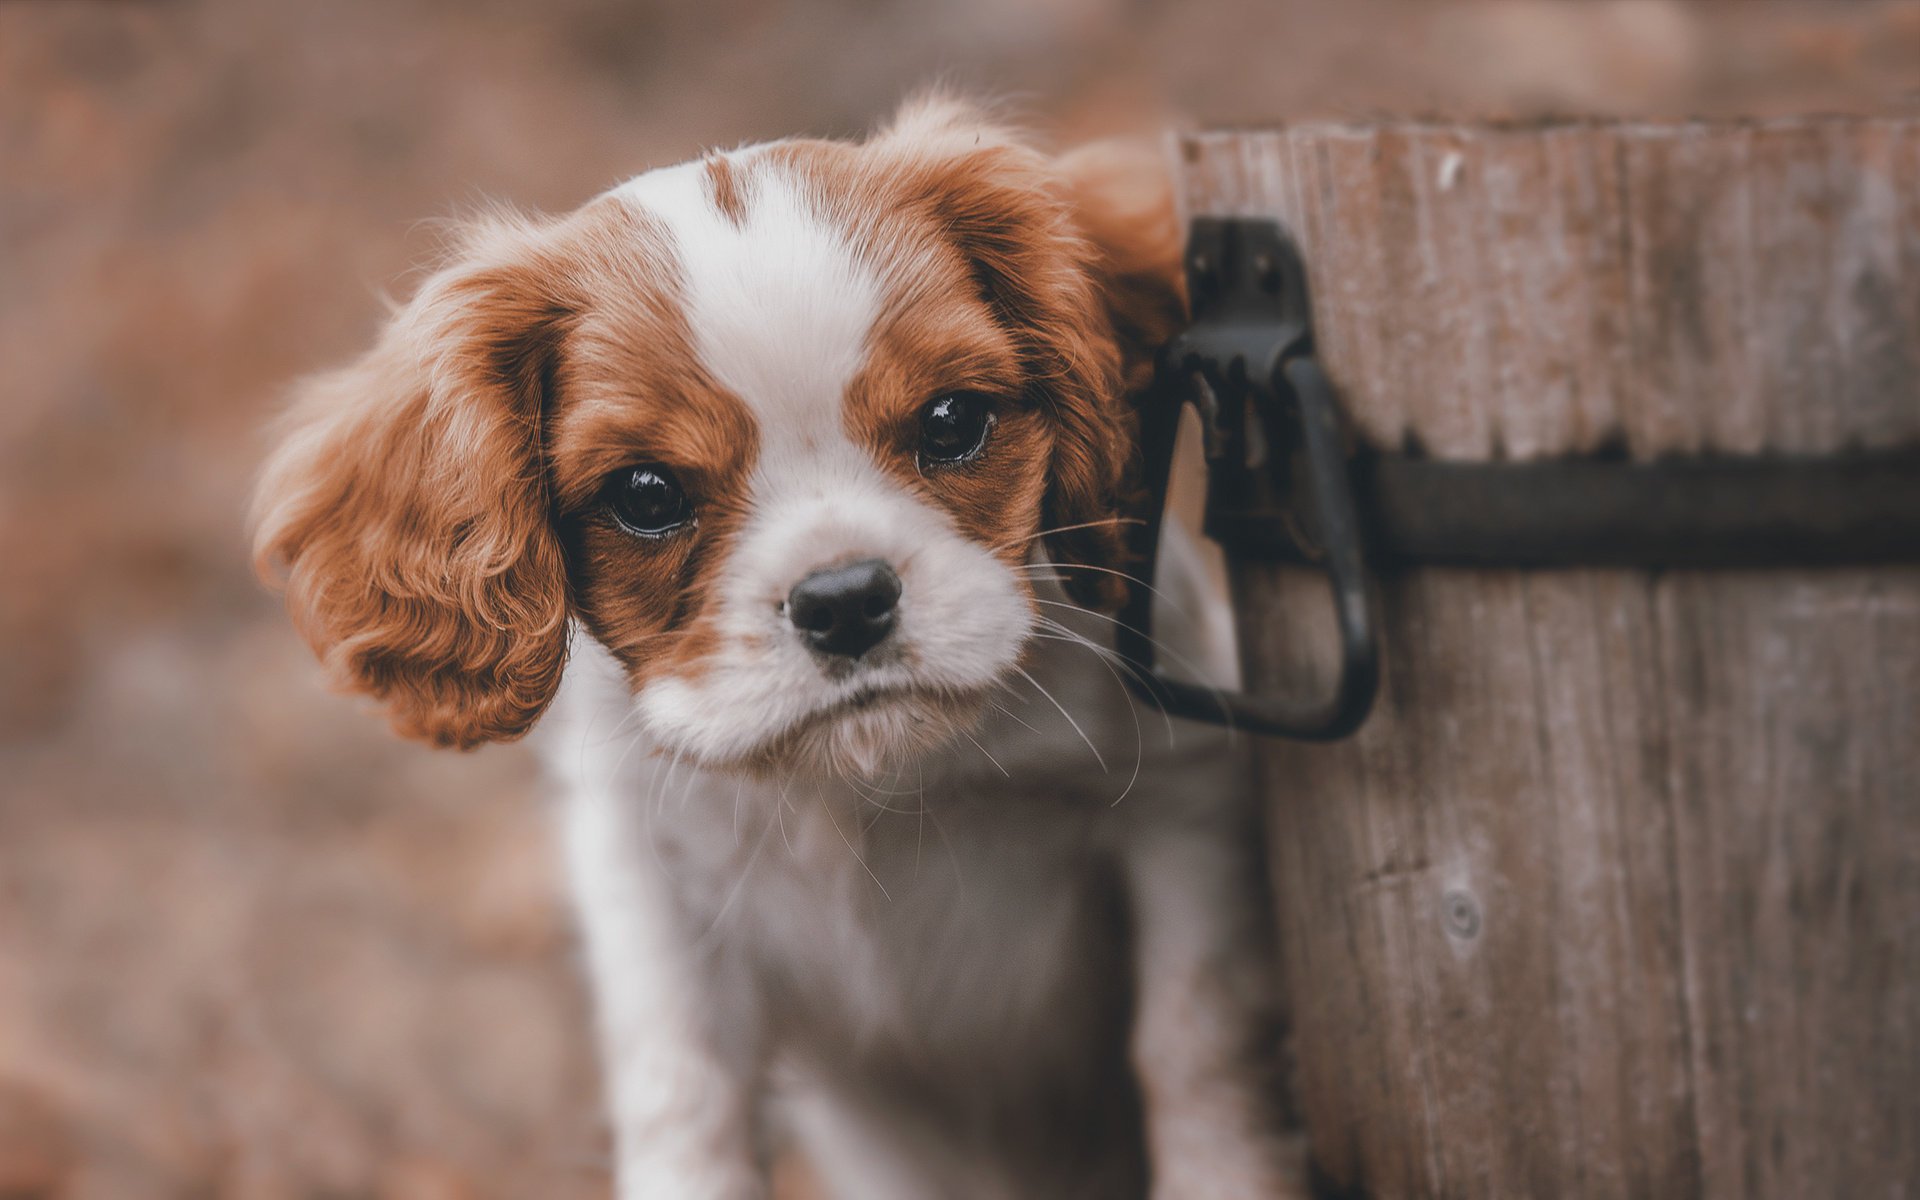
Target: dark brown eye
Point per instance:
(647, 500)
(954, 427)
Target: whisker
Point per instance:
(1004, 686)
(835, 821)
(983, 750)
(1040, 533)
(872, 797)
(864, 821)
(780, 815)
(632, 717)
(1172, 655)
(1008, 713)
(1024, 674)
(651, 807)
(1060, 566)
(953, 856)
(701, 946)
(658, 800)
(1111, 660)
(587, 740)
(1139, 738)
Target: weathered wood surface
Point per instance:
(1618, 893)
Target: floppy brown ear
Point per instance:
(1080, 257)
(407, 505)
(1121, 194)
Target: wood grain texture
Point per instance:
(1618, 893)
(1528, 292)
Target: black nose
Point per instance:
(847, 610)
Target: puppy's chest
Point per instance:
(950, 937)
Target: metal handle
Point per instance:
(1270, 421)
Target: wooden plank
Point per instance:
(1796, 822)
(1618, 894)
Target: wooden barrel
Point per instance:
(1618, 891)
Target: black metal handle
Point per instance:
(1273, 439)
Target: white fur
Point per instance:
(962, 954)
(780, 306)
(931, 915)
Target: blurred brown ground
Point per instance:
(250, 945)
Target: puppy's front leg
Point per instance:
(679, 1028)
(1202, 1040)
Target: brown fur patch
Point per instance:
(408, 508)
(637, 394)
(724, 189)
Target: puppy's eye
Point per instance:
(647, 500)
(954, 427)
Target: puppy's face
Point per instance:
(800, 524)
(780, 428)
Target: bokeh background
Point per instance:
(250, 944)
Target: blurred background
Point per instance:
(250, 944)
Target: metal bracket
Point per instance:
(1273, 442)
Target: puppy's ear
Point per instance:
(1120, 202)
(1121, 194)
(1080, 259)
(407, 504)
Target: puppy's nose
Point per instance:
(845, 611)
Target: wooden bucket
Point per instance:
(1617, 890)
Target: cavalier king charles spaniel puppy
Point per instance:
(788, 484)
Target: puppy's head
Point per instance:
(782, 429)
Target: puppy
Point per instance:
(790, 480)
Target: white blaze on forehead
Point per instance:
(779, 304)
